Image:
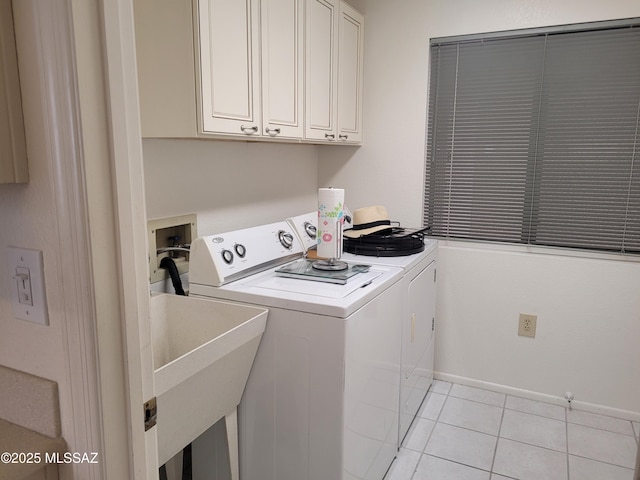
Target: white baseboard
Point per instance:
(541, 397)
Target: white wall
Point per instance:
(588, 309)
(229, 184)
(588, 324)
(388, 168)
(30, 217)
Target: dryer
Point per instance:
(418, 313)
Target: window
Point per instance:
(533, 137)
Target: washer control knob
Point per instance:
(286, 239)
(310, 229)
(227, 256)
(240, 249)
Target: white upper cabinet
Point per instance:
(13, 150)
(334, 53)
(251, 67)
(321, 58)
(350, 75)
(229, 66)
(241, 69)
(282, 49)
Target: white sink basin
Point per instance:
(202, 355)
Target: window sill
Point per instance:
(536, 250)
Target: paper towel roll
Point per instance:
(330, 219)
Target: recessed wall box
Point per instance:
(170, 237)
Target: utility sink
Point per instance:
(203, 351)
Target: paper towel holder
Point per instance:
(329, 231)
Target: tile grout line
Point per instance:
(601, 461)
(495, 449)
(602, 429)
(540, 415)
(437, 421)
(415, 470)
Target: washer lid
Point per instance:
(279, 285)
(271, 291)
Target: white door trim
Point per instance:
(128, 171)
(86, 53)
(52, 36)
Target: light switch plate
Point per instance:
(26, 283)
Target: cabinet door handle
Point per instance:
(329, 136)
(272, 131)
(249, 130)
(343, 137)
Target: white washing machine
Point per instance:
(418, 317)
(321, 402)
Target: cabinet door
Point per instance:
(282, 48)
(350, 75)
(321, 69)
(229, 66)
(13, 150)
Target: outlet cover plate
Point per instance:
(527, 325)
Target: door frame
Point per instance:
(90, 133)
(95, 141)
(125, 141)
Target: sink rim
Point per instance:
(190, 363)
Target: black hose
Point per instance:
(170, 266)
(187, 463)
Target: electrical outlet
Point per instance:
(527, 325)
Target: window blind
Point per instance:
(534, 139)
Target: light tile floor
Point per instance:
(465, 433)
